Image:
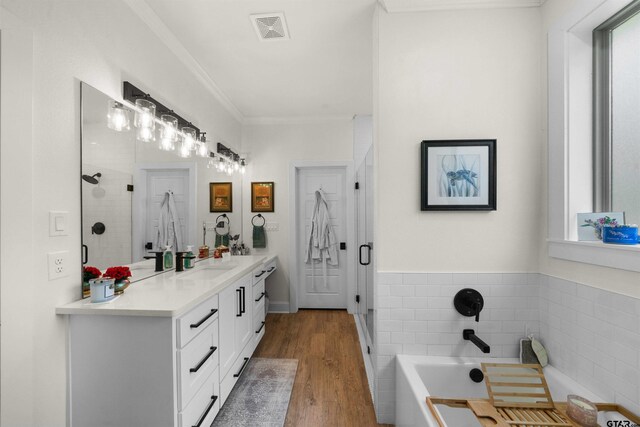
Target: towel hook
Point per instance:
(264, 221)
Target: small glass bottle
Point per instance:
(188, 261)
(168, 258)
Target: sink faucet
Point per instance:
(180, 257)
(470, 335)
(158, 258)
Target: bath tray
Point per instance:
(518, 396)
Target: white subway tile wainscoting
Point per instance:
(591, 335)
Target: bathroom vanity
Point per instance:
(170, 349)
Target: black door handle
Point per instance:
(85, 254)
(260, 328)
(243, 308)
(368, 254)
(239, 313)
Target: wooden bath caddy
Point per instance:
(518, 396)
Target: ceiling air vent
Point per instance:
(270, 26)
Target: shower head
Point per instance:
(93, 179)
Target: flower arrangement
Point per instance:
(118, 273)
(599, 223)
(89, 273)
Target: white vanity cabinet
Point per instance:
(236, 312)
(168, 351)
(144, 370)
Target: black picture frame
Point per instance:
(458, 175)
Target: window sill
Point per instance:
(623, 257)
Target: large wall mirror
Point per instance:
(124, 183)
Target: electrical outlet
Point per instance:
(58, 264)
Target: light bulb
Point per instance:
(167, 144)
(169, 130)
(189, 137)
(145, 134)
(145, 114)
(118, 117)
(242, 166)
(202, 149)
(184, 151)
(236, 165)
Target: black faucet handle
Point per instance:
(158, 258)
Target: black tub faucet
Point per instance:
(470, 335)
(469, 302)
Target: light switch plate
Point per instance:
(58, 223)
(272, 226)
(58, 264)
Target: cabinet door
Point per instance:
(244, 322)
(228, 309)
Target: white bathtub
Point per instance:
(420, 376)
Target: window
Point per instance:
(617, 113)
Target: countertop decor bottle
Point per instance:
(168, 258)
(188, 261)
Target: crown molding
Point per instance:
(263, 120)
(159, 28)
(401, 6)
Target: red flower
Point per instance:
(89, 273)
(118, 273)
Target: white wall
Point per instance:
(101, 43)
(459, 75)
(270, 150)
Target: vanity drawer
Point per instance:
(205, 405)
(190, 324)
(226, 385)
(259, 273)
(270, 267)
(196, 362)
(259, 295)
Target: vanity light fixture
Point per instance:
(202, 149)
(169, 129)
(144, 120)
(118, 116)
(189, 138)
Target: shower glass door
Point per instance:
(364, 197)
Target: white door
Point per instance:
(321, 285)
(158, 183)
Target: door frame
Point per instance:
(138, 201)
(295, 253)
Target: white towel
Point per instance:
(169, 230)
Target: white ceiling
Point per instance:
(324, 70)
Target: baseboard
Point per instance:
(278, 307)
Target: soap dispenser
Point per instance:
(168, 258)
(188, 263)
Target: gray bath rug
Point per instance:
(261, 397)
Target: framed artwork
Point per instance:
(590, 224)
(220, 197)
(458, 175)
(262, 197)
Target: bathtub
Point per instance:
(420, 376)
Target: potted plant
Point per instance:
(121, 276)
(88, 273)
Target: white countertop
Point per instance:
(170, 294)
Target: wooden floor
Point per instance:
(331, 386)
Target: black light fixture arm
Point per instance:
(131, 93)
